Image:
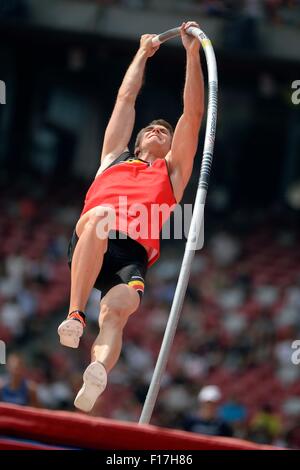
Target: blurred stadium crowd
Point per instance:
(241, 314)
(239, 320)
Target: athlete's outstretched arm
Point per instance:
(120, 126)
(185, 141)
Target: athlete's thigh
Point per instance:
(103, 216)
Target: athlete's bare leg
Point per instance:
(88, 257)
(92, 230)
(115, 308)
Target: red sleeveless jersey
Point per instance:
(141, 195)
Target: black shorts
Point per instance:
(125, 262)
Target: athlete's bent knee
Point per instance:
(114, 316)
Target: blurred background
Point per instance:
(62, 62)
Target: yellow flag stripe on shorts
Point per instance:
(136, 283)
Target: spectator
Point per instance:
(266, 426)
(12, 317)
(16, 388)
(233, 411)
(206, 420)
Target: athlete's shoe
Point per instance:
(94, 383)
(71, 329)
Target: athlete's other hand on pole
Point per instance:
(146, 44)
(190, 43)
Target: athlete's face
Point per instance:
(157, 140)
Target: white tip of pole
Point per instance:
(155, 41)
